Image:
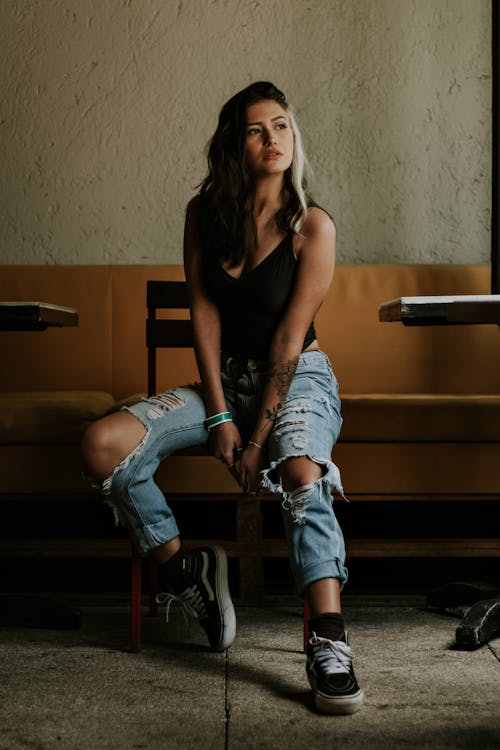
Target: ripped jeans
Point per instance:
(308, 424)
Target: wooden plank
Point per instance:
(82, 548)
(426, 498)
(169, 333)
(442, 310)
(468, 547)
(66, 548)
(268, 497)
(167, 294)
(35, 316)
(272, 548)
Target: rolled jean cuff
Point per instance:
(149, 537)
(317, 571)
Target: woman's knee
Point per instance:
(299, 470)
(108, 441)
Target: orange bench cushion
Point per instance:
(50, 416)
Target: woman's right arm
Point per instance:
(224, 438)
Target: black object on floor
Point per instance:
(476, 603)
(32, 611)
(480, 624)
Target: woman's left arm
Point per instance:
(316, 264)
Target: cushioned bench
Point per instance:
(50, 417)
(420, 405)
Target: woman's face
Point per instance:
(269, 138)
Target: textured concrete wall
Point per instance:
(106, 106)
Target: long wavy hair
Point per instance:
(227, 193)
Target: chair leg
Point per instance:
(135, 601)
(307, 617)
(153, 587)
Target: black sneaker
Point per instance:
(204, 594)
(331, 676)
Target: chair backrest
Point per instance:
(165, 295)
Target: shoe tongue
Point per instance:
(175, 575)
(189, 566)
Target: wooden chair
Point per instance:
(248, 544)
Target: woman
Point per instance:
(259, 257)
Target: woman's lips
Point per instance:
(273, 155)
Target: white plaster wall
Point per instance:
(106, 106)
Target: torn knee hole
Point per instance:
(301, 470)
(296, 502)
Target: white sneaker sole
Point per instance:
(224, 600)
(340, 705)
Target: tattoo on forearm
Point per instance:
(283, 376)
(272, 413)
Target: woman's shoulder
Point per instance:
(318, 220)
(318, 229)
(193, 216)
(194, 206)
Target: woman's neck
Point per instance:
(268, 197)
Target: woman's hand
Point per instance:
(226, 445)
(251, 463)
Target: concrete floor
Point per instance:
(82, 689)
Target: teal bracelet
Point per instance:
(223, 416)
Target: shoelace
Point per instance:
(331, 656)
(190, 600)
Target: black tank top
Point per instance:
(252, 306)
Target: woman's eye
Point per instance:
(253, 131)
(281, 126)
